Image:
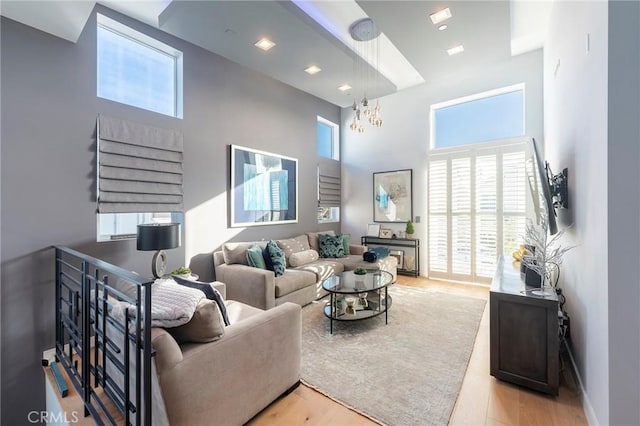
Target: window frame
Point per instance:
(173, 217)
(146, 41)
(470, 98)
(335, 137)
(499, 148)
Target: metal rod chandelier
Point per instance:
(366, 53)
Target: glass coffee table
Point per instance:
(357, 297)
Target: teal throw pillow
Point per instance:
(346, 241)
(254, 257)
(331, 245)
(277, 258)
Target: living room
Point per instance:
(582, 101)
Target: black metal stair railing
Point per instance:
(103, 337)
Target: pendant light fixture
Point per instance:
(366, 50)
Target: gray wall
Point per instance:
(624, 211)
(48, 113)
(591, 126)
(404, 139)
(576, 135)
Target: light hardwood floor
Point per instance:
(483, 400)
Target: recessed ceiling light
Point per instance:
(344, 87)
(442, 27)
(264, 44)
(313, 69)
(454, 50)
(440, 16)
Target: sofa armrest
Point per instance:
(168, 353)
(221, 287)
(357, 249)
(232, 379)
(246, 284)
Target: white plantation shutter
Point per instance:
(514, 200)
(486, 211)
(461, 216)
(438, 229)
(477, 209)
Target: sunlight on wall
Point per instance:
(206, 227)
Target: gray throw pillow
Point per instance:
(277, 258)
(331, 246)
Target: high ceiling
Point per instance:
(411, 48)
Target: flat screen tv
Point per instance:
(541, 188)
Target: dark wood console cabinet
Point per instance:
(525, 346)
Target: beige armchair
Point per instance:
(228, 381)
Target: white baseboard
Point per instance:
(592, 420)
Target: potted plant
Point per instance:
(182, 272)
(360, 271)
(409, 229)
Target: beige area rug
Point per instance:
(408, 372)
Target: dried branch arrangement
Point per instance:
(546, 253)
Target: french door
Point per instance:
(477, 203)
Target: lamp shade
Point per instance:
(158, 236)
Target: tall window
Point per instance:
(137, 70)
(497, 114)
(477, 208)
(477, 187)
(328, 139)
(328, 176)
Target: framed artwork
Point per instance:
(386, 233)
(373, 230)
(393, 196)
(264, 188)
(398, 254)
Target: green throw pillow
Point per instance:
(331, 245)
(254, 257)
(277, 258)
(346, 241)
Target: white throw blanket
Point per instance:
(172, 304)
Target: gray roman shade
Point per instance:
(329, 186)
(139, 168)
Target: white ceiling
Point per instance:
(412, 50)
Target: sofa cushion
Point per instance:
(239, 311)
(313, 239)
(255, 258)
(206, 324)
(323, 268)
(303, 257)
(293, 245)
(292, 280)
(331, 246)
(235, 253)
(277, 258)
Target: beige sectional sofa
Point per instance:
(301, 282)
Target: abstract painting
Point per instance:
(264, 188)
